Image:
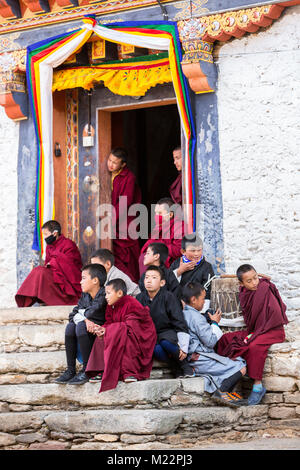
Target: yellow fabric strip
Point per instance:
(133, 82)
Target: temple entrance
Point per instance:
(149, 134)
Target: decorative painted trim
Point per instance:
(13, 94)
(72, 165)
(199, 34)
(86, 7)
(224, 26)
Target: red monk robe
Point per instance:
(169, 233)
(58, 281)
(126, 250)
(128, 344)
(176, 189)
(264, 315)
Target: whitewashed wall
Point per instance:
(259, 132)
(9, 141)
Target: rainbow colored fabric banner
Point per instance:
(44, 56)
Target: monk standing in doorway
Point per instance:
(176, 187)
(123, 181)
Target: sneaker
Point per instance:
(65, 377)
(96, 378)
(187, 371)
(228, 399)
(256, 397)
(130, 379)
(79, 379)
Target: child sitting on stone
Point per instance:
(166, 312)
(264, 315)
(84, 321)
(192, 265)
(220, 373)
(106, 258)
(124, 347)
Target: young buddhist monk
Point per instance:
(124, 347)
(264, 315)
(58, 281)
(169, 229)
(84, 321)
(166, 312)
(176, 187)
(220, 373)
(192, 265)
(156, 255)
(106, 258)
(123, 181)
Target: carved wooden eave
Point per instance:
(198, 36)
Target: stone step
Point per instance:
(168, 392)
(28, 337)
(35, 315)
(43, 366)
(125, 426)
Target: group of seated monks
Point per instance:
(118, 326)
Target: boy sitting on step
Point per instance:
(156, 255)
(84, 321)
(166, 312)
(124, 347)
(220, 373)
(264, 314)
(192, 265)
(106, 258)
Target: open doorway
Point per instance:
(149, 135)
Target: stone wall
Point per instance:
(259, 118)
(9, 141)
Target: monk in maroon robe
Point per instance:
(169, 229)
(58, 281)
(126, 250)
(264, 315)
(125, 343)
(176, 187)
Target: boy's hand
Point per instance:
(183, 267)
(90, 326)
(182, 355)
(100, 331)
(216, 316)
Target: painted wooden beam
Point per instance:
(10, 9)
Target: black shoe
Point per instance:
(187, 371)
(65, 377)
(80, 378)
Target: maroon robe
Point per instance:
(126, 250)
(176, 189)
(58, 281)
(128, 344)
(171, 235)
(264, 315)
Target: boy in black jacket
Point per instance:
(156, 255)
(166, 313)
(192, 266)
(84, 321)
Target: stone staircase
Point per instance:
(159, 413)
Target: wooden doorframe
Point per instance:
(104, 136)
